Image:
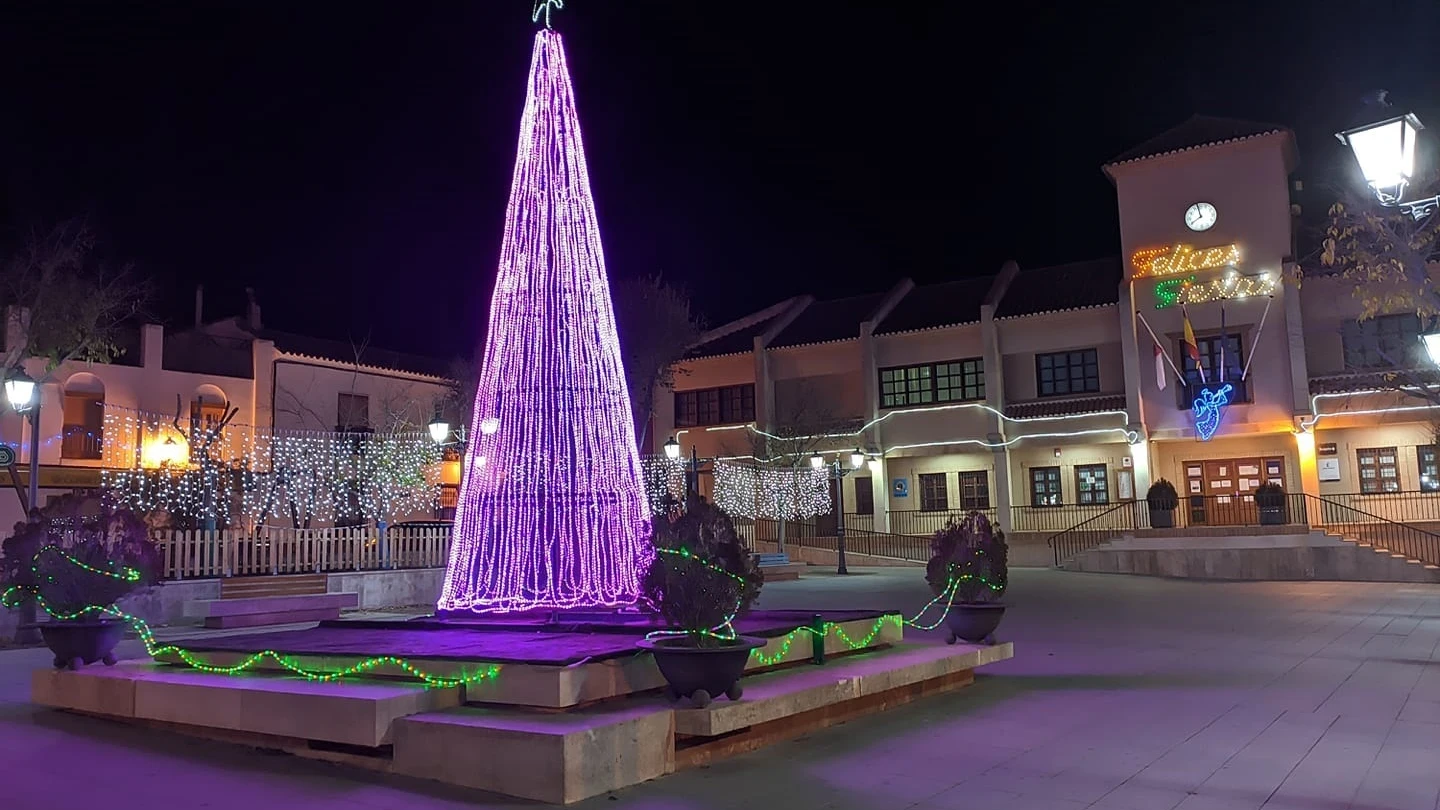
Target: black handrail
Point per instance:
(1373, 530)
(1091, 533)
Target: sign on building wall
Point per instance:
(900, 487)
(1329, 469)
(1326, 449)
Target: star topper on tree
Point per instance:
(543, 7)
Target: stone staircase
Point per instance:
(1280, 553)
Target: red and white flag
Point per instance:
(1159, 367)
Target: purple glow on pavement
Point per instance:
(552, 510)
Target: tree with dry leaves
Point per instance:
(70, 304)
(1384, 257)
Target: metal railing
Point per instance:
(819, 534)
(1195, 511)
(923, 523)
(1056, 518)
(1099, 528)
(1363, 526)
(1400, 507)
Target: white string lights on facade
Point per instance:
(772, 493)
(664, 478)
(1316, 414)
(259, 473)
(1130, 436)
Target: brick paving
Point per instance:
(1125, 694)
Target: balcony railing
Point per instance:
(82, 443)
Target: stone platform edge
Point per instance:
(562, 687)
(539, 755)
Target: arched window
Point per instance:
(207, 411)
(82, 436)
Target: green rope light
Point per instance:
(13, 596)
(16, 594)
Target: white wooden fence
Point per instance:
(200, 553)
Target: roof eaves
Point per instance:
(1207, 145)
(345, 364)
(1057, 311)
(916, 330)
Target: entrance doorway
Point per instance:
(1221, 492)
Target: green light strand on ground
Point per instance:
(948, 595)
(13, 596)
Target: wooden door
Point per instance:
(1221, 492)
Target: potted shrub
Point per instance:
(1270, 498)
(1163, 500)
(702, 576)
(76, 566)
(968, 559)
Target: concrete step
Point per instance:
(350, 712)
(262, 610)
(1345, 562)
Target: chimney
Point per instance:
(199, 305)
(253, 311)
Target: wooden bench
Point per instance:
(778, 568)
(253, 611)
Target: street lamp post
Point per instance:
(1385, 151)
(838, 471)
(23, 395)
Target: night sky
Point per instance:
(352, 161)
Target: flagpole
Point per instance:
(1220, 375)
(1179, 376)
(1245, 372)
(1190, 341)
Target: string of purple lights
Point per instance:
(552, 511)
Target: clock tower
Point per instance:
(1205, 232)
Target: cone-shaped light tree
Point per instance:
(552, 510)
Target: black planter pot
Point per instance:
(975, 622)
(1162, 518)
(701, 673)
(84, 642)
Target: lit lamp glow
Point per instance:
(20, 391)
(1385, 151)
(817, 461)
(1432, 346)
(857, 459)
(489, 425)
(672, 449)
(439, 430)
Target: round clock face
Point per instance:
(1200, 216)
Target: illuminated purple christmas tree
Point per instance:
(552, 510)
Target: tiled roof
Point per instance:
(741, 340)
(1368, 381)
(1078, 285)
(1065, 407)
(343, 352)
(824, 321)
(1198, 131)
(932, 306)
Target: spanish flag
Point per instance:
(1191, 347)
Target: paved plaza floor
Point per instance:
(1124, 693)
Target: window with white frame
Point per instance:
(929, 383)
